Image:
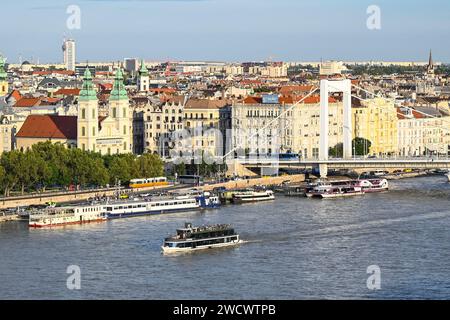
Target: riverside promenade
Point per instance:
(65, 197)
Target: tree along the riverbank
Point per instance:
(360, 147)
(53, 165)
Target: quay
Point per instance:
(63, 197)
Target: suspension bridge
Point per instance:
(348, 161)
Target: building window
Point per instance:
(125, 146)
(83, 131)
(83, 113)
(93, 131)
(93, 113)
(114, 112)
(124, 129)
(124, 112)
(315, 152)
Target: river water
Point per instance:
(296, 248)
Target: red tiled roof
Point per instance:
(163, 90)
(16, 95)
(316, 99)
(27, 102)
(418, 115)
(253, 100)
(103, 73)
(205, 104)
(308, 100)
(50, 100)
(105, 86)
(415, 114)
(49, 126)
(400, 115)
(291, 89)
(67, 92)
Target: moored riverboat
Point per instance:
(326, 191)
(53, 217)
(252, 196)
(151, 206)
(373, 185)
(207, 200)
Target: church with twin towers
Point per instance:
(109, 134)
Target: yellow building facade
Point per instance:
(376, 120)
(201, 119)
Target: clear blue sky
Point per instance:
(231, 30)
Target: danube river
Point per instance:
(296, 248)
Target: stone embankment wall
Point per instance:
(266, 181)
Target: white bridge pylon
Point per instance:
(333, 86)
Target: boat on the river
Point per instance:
(54, 216)
(327, 190)
(253, 196)
(373, 185)
(151, 206)
(191, 238)
(207, 200)
(345, 188)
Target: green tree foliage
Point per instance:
(337, 151)
(209, 167)
(53, 165)
(150, 165)
(179, 169)
(384, 70)
(361, 147)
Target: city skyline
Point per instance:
(229, 30)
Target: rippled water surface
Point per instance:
(296, 248)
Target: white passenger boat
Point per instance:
(152, 206)
(53, 217)
(326, 190)
(373, 185)
(191, 238)
(252, 196)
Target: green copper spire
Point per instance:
(3, 74)
(143, 71)
(118, 92)
(87, 92)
